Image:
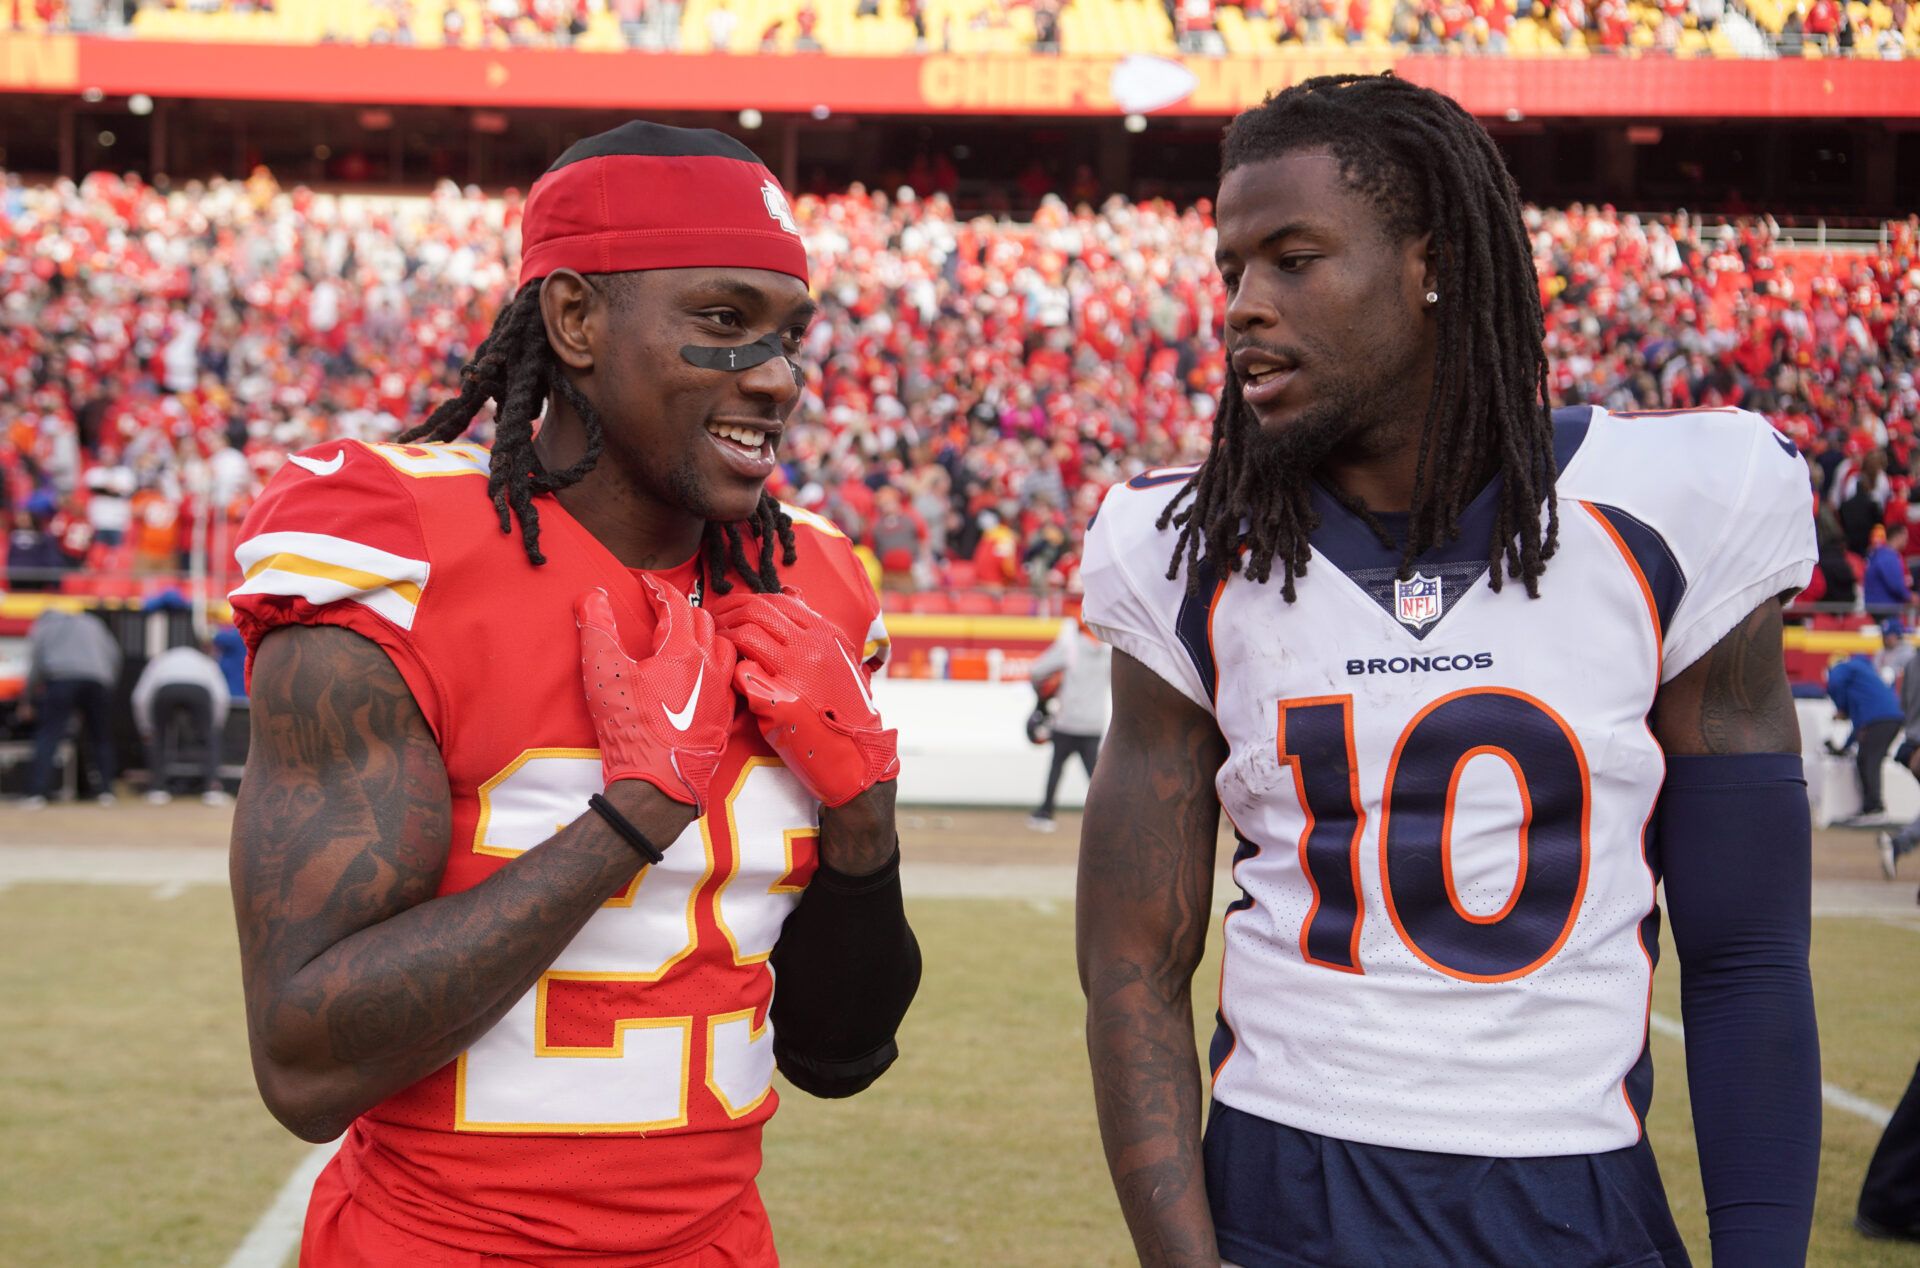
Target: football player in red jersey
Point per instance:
(532, 819)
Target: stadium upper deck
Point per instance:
(1753, 108)
(1247, 28)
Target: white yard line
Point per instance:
(1838, 1097)
(276, 1234)
(112, 864)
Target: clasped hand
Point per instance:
(808, 692)
(665, 717)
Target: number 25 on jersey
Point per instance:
(637, 1073)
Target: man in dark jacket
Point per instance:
(1863, 698)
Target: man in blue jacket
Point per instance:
(1863, 698)
(1886, 587)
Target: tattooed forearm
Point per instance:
(858, 838)
(358, 980)
(1145, 893)
(1736, 698)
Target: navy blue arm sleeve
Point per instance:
(845, 968)
(1735, 841)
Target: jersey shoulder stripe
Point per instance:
(838, 549)
(802, 517)
(1652, 558)
(323, 569)
(1714, 511)
(1131, 602)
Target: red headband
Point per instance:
(644, 196)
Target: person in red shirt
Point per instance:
(531, 820)
(1357, 11)
(996, 560)
(1822, 20)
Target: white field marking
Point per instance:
(112, 864)
(276, 1234)
(168, 890)
(1044, 906)
(1838, 1097)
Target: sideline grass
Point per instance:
(133, 1135)
(132, 1132)
(1863, 978)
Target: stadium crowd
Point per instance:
(973, 386)
(1829, 28)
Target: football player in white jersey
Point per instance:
(1469, 676)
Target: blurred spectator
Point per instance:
(1896, 653)
(1821, 22)
(1046, 27)
(898, 540)
(73, 663)
(1886, 588)
(1861, 697)
(1081, 704)
(996, 560)
(181, 696)
(231, 651)
(34, 558)
(720, 24)
(635, 28)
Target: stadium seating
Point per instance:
(1088, 27)
(999, 438)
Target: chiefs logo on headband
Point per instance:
(647, 196)
(777, 206)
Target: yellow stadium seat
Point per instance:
(1232, 25)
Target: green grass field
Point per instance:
(133, 1135)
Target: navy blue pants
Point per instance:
(1890, 1196)
(60, 700)
(1284, 1198)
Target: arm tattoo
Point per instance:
(358, 980)
(858, 838)
(1736, 698)
(1145, 894)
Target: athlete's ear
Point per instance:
(567, 305)
(1423, 268)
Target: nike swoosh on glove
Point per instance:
(666, 718)
(808, 691)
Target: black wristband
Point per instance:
(624, 826)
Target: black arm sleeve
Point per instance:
(845, 968)
(1735, 842)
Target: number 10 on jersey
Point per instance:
(1417, 830)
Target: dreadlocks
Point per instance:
(514, 367)
(1428, 167)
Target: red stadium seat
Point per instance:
(976, 603)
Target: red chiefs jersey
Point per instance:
(616, 1109)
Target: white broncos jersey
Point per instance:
(1445, 935)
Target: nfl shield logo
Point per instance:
(1416, 601)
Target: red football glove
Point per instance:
(808, 691)
(664, 719)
